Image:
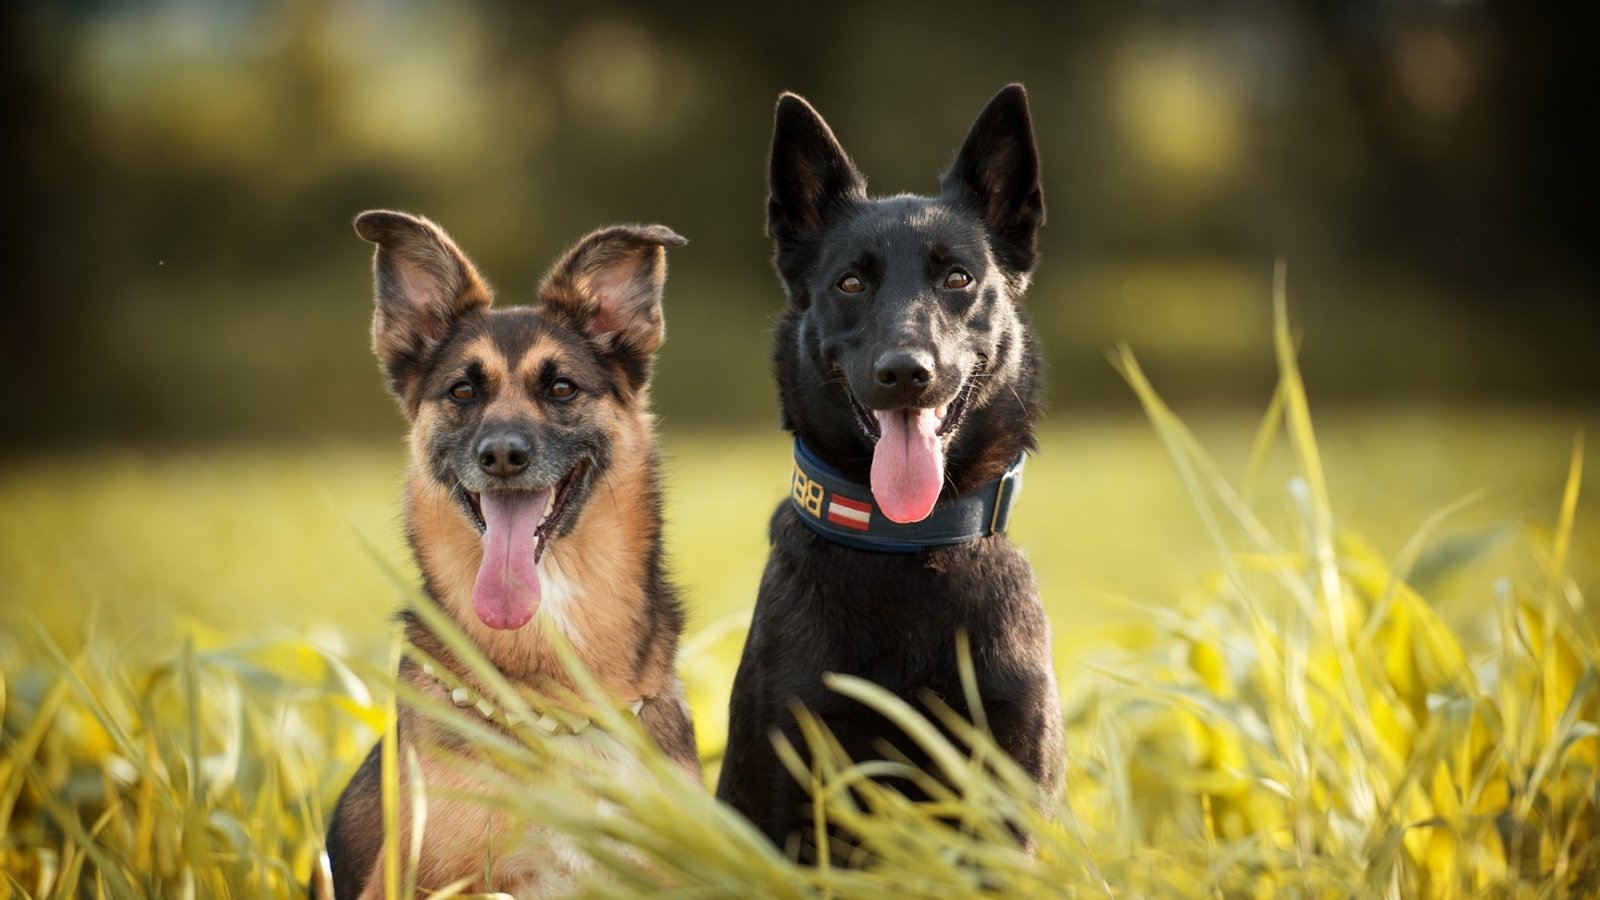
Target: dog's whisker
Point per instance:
(611, 487)
(1021, 404)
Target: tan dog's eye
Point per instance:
(852, 284)
(463, 390)
(957, 279)
(562, 389)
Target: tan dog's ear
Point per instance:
(425, 287)
(609, 286)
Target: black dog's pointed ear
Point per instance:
(997, 173)
(424, 284)
(609, 286)
(809, 174)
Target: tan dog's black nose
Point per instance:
(503, 454)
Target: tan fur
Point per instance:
(622, 272)
(458, 831)
(465, 839)
(417, 259)
(603, 557)
(543, 348)
(597, 574)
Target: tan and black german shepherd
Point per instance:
(531, 504)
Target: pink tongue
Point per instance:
(907, 464)
(507, 590)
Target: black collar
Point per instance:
(843, 512)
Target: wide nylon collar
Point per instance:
(843, 511)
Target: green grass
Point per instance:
(1263, 700)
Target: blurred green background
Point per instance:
(197, 427)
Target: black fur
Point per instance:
(895, 618)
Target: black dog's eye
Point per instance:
(562, 389)
(852, 284)
(957, 279)
(463, 390)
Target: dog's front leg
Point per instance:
(749, 766)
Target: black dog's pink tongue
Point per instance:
(907, 464)
(507, 590)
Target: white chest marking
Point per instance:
(559, 597)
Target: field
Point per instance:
(245, 541)
(1261, 700)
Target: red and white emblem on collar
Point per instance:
(849, 513)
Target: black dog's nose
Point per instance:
(503, 454)
(902, 375)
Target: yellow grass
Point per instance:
(1262, 700)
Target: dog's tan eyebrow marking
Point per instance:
(479, 348)
(481, 361)
(532, 362)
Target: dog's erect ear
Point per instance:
(425, 285)
(997, 173)
(809, 175)
(609, 286)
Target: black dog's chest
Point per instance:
(891, 618)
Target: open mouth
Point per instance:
(514, 527)
(949, 415)
(557, 499)
(908, 450)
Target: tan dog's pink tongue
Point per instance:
(507, 590)
(907, 464)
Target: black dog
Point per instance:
(909, 377)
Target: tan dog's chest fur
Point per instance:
(464, 839)
(530, 426)
(603, 611)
